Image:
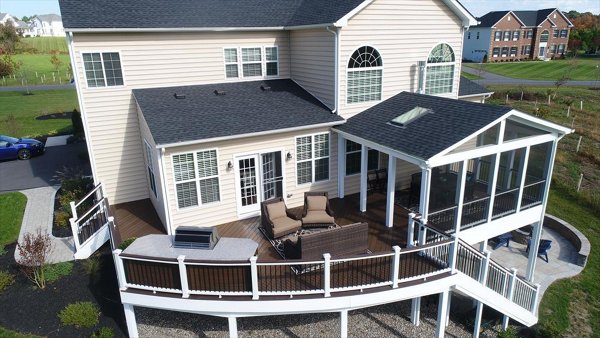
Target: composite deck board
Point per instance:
(137, 219)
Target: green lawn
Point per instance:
(573, 304)
(470, 76)
(12, 207)
(37, 70)
(583, 69)
(25, 108)
(44, 44)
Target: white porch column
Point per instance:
(391, 191)
(364, 157)
(341, 165)
(509, 168)
(460, 195)
(478, 316)
(524, 164)
(130, 319)
(425, 190)
(233, 331)
(440, 330)
(535, 242)
(415, 311)
(493, 179)
(344, 324)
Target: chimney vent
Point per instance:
(179, 96)
(220, 92)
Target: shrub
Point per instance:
(6, 279)
(80, 314)
(34, 249)
(3, 250)
(548, 330)
(126, 243)
(510, 332)
(91, 266)
(55, 271)
(77, 123)
(104, 332)
(61, 218)
(8, 66)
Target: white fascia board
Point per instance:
(344, 20)
(262, 133)
(537, 122)
(461, 12)
(194, 29)
(373, 145)
(474, 95)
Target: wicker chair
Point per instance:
(277, 220)
(317, 211)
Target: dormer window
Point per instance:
(364, 75)
(440, 70)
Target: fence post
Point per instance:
(254, 277)
(486, 268)
(536, 299)
(73, 209)
(120, 269)
(410, 238)
(185, 290)
(395, 266)
(327, 277)
(75, 231)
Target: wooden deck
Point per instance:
(136, 219)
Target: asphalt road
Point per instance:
(42, 171)
(495, 79)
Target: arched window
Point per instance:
(544, 36)
(440, 70)
(364, 75)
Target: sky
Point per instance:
(19, 8)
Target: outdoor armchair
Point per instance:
(317, 212)
(545, 245)
(277, 220)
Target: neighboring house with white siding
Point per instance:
(47, 25)
(208, 109)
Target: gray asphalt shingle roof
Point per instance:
(529, 18)
(245, 108)
(468, 87)
(201, 13)
(450, 122)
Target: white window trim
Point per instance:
(312, 159)
(103, 70)
(199, 205)
(150, 166)
(496, 55)
(349, 70)
(505, 37)
(496, 33)
(430, 65)
(240, 63)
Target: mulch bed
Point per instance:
(55, 116)
(56, 230)
(28, 309)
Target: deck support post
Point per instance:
(327, 274)
(233, 331)
(120, 269)
(448, 308)
(442, 314)
(534, 246)
(344, 324)
(341, 165)
(364, 157)
(130, 320)
(511, 292)
(185, 290)
(415, 311)
(410, 236)
(75, 231)
(391, 191)
(254, 277)
(395, 266)
(478, 317)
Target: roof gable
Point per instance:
(527, 18)
(470, 88)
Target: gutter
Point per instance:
(336, 103)
(485, 95)
(86, 128)
(193, 29)
(240, 136)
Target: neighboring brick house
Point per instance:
(518, 35)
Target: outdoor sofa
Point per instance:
(347, 240)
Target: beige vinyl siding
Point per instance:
(313, 63)
(151, 60)
(226, 210)
(404, 32)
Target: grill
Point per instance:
(196, 238)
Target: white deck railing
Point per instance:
(90, 221)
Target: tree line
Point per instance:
(585, 35)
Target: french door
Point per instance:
(259, 178)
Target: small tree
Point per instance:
(8, 37)
(55, 61)
(8, 66)
(34, 251)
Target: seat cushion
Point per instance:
(285, 225)
(316, 202)
(276, 210)
(317, 216)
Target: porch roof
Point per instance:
(240, 108)
(450, 122)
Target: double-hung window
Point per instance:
(272, 61)
(353, 151)
(564, 33)
(513, 51)
(364, 76)
(497, 36)
(251, 62)
(516, 35)
(496, 52)
(312, 158)
(555, 33)
(439, 75)
(504, 52)
(561, 49)
(102, 69)
(231, 63)
(507, 35)
(150, 166)
(196, 174)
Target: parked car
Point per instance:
(21, 148)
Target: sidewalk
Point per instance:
(38, 215)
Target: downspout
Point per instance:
(336, 99)
(86, 129)
(163, 184)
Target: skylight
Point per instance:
(410, 116)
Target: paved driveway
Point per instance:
(41, 171)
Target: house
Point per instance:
(24, 29)
(195, 112)
(5, 17)
(47, 25)
(518, 35)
